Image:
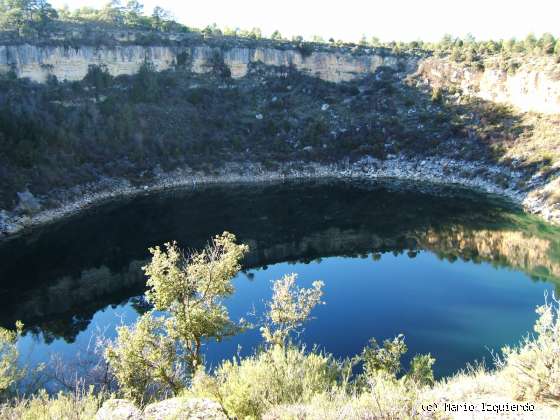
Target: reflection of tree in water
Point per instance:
(140, 304)
(65, 328)
(58, 291)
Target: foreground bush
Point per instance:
(385, 360)
(157, 356)
(533, 368)
(161, 355)
(280, 375)
(145, 362)
(10, 372)
(76, 406)
(386, 399)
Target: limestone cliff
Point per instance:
(533, 86)
(68, 63)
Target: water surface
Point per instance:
(457, 273)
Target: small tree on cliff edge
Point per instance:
(158, 355)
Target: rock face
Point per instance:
(39, 62)
(534, 86)
(116, 409)
(180, 408)
(173, 408)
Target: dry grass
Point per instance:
(532, 369)
(80, 405)
(386, 398)
(540, 144)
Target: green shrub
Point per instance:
(76, 406)
(98, 76)
(421, 370)
(251, 386)
(386, 361)
(145, 360)
(146, 85)
(10, 372)
(219, 67)
(281, 373)
(437, 95)
(386, 358)
(289, 308)
(304, 48)
(158, 355)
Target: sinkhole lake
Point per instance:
(458, 273)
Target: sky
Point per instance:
(349, 20)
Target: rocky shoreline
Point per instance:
(497, 180)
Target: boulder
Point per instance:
(182, 408)
(118, 409)
(173, 408)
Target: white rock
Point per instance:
(28, 202)
(118, 409)
(182, 408)
(173, 408)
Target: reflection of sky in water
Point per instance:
(456, 311)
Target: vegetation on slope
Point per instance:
(135, 127)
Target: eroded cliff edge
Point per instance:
(71, 64)
(534, 85)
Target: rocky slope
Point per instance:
(222, 108)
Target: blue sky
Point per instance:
(350, 19)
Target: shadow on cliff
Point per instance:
(418, 119)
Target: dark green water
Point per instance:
(456, 272)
